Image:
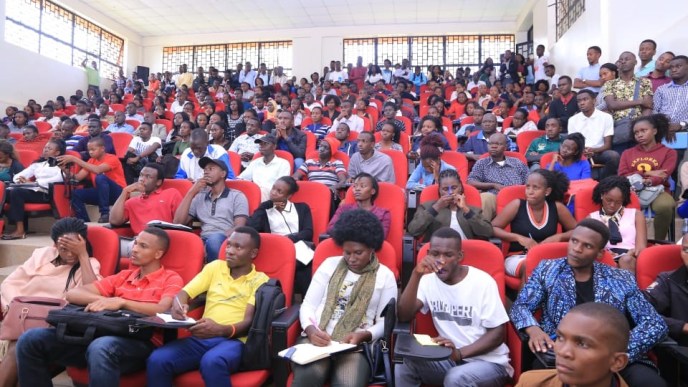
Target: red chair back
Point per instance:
(553, 251)
(181, 185)
(121, 143)
(249, 189)
(134, 123)
(281, 154)
(185, 254)
(508, 154)
(166, 122)
(26, 157)
(309, 121)
(282, 269)
(507, 123)
(311, 140)
(105, 244)
(458, 161)
(42, 126)
(404, 141)
(654, 260)
(400, 165)
(524, 139)
(338, 155)
(584, 204)
(235, 162)
(117, 107)
(317, 196)
(432, 192)
(392, 198)
(328, 248)
(353, 136)
(546, 159)
(408, 125)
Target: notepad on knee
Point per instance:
(308, 353)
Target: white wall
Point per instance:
(313, 48)
(615, 26)
(26, 74)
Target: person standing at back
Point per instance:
(589, 77)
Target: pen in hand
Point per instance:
(181, 309)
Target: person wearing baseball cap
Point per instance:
(325, 168)
(81, 113)
(218, 208)
(264, 171)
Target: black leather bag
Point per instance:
(75, 326)
(377, 353)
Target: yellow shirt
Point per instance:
(227, 297)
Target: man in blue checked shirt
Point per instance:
(557, 285)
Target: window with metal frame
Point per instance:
(53, 31)
(227, 55)
(450, 52)
(568, 11)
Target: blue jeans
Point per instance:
(213, 242)
(447, 373)
(103, 194)
(217, 358)
(106, 357)
(298, 162)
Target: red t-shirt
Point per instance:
(116, 172)
(152, 288)
(159, 205)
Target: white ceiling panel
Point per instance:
(150, 18)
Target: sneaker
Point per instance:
(104, 218)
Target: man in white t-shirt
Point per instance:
(347, 117)
(466, 310)
(598, 129)
(142, 149)
(540, 62)
(264, 171)
(337, 74)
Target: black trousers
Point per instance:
(20, 196)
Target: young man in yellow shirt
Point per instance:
(218, 338)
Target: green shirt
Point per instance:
(542, 145)
(93, 76)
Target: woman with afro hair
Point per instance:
(344, 301)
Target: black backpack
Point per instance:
(270, 303)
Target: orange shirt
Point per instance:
(116, 172)
(153, 85)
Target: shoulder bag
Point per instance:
(623, 132)
(25, 313)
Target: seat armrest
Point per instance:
(197, 302)
(402, 327)
(323, 236)
(409, 249)
(497, 242)
(286, 318)
(279, 337)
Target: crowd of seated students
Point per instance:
(262, 117)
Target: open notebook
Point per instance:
(308, 353)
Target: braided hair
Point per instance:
(71, 226)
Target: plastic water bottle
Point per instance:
(684, 229)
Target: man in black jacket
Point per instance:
(507, 70)
(564, 107)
